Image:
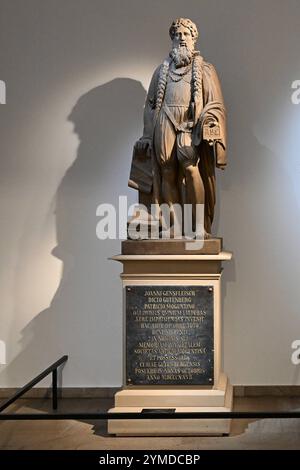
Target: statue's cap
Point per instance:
(187, 23)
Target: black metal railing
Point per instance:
(51, 369)
(179, 415)
(112, 416)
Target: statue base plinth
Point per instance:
(210, 246)
(172, 344)
(190, 400)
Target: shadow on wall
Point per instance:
(85, 317)
(259, 210)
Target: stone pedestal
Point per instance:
(172, 344)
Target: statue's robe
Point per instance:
(208, 106)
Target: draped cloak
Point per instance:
(208, 105)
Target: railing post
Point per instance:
(51, 369)
(54, 389)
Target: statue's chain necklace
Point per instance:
(175, 76)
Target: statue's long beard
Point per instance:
(182, 56)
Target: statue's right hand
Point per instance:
(143, 145)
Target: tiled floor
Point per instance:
(262, 434)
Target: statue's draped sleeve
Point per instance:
(149, 108)
(213, 110)
(141, 172)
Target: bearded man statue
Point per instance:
(184, 135)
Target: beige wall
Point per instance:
(75, 72)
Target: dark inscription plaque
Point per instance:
(169, 335)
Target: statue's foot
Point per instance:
(197, 237)
(206, 236)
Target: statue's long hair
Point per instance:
(161, 85)
(197, 78)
